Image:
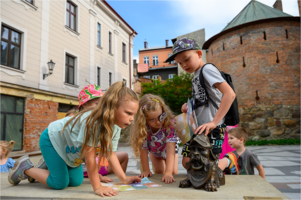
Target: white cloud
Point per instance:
(214, 15)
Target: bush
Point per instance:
(174, 91)
(275, 142)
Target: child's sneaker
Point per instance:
(42, 165)
(16, 174)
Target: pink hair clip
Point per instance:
(144, 107)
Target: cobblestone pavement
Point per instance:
(281, 165)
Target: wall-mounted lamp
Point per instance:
(50, 67)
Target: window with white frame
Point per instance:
(10, 47)
(155, 77)
(123, 52)
(171, 75)
(155, 60)
(71, 15)
(110, 42)
(171, 62)
(70, 69)
(98, 34)
(110, 78)
(146, 60)
(99, 76)
(147, 77)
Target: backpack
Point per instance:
(232, 116)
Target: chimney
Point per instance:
(299, 5)
(166, 43)
(278, 5)
(145, 44)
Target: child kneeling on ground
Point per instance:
(241, 161)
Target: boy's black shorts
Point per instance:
(216, 138)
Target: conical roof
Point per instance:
(255, 11)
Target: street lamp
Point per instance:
(50, 67)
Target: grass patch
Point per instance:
(275, 142)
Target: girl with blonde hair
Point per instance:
(67, 142)
(154, 131)
(6, 163)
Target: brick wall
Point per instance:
(38, 115)
(263, 58)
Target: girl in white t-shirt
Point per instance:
(66, 142)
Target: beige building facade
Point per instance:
(89, 42)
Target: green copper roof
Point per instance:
(255, 11)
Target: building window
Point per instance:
(12, 118)
(110, 42)
(123, 52)
(30, 1)
(147, 77)
(70, 70)
(10, 47)
(71, 15)
(99, 76)
(171, 62)
(155, 60)
(171, 75)
(110, 78)
(98, 34)
(146, 60)
(155, 77)
(125, 82)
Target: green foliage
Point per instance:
(275, 142)
(175, 91)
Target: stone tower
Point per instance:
(260, 48)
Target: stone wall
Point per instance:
(38, 115)
(271, 122)
(263, 60)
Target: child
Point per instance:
(241, 161)
(89, 97)
(153, 131)
(187, 53)
(66, 142)
(6, 163)
(226, 147)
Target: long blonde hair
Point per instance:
(7, 146)
(147, 103)
(102, 118)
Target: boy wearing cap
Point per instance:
(187, 53)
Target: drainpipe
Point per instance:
(130, 61)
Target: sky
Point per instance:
(159, 20)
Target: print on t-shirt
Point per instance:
(198, 93)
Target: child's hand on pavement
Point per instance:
(131, 179)
(168, 178)
(205, 127)
(105, 191)
(104, 179)
(146, 173)
(184, 108)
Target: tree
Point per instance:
(174, 91)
